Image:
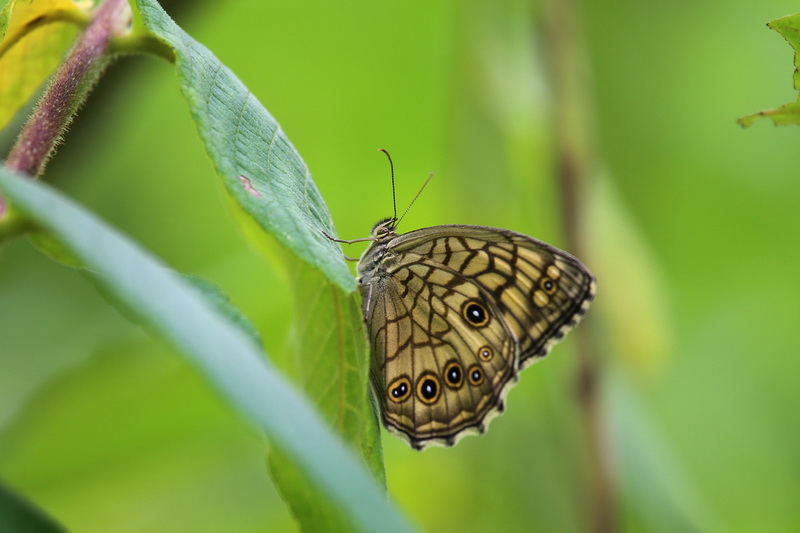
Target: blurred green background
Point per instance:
(692, 226)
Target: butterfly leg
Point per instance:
(368, 301)
(343, 241)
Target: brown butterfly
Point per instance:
(453, 314)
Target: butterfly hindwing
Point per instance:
(442, 374)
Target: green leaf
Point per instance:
(258, 164)
(33, 37)
(789, 28)
(328, 345)
(327, 357)
(19, 516)
(227, 357)
(269, 183)
(220, 301)
(46, 244)
(781, 116)
(54, 249)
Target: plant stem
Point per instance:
(576, 163)
(68, 88)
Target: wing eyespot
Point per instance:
(428, 388)
(475, 313)
(485, 353)
(475, 375)
(548, 285)
(399, 390)
(453, 374)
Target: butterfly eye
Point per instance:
(475, 314)
(486, 353)
(453, 375)
(475, 375)
(399, 389)
(428, 388)
(548, 285)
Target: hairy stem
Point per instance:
(68, 88)
(576, 163)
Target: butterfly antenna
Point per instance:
(430, 177)
(394, 197)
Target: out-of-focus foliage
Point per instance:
(704, 437)
(21, 517)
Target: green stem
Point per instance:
(576, 162)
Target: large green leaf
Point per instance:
(258, 164)
(219, 348)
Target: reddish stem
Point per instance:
(68, 88)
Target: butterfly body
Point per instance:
(453, 314)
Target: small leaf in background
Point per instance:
(35, 34)
(54, 249)
(789, 28)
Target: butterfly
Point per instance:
(453, 314)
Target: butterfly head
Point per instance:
(384, 228)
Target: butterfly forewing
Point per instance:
(453, 313)
(542, 291)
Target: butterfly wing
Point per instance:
(453, 303)
(436, 375)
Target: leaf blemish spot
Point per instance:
(248, 186)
